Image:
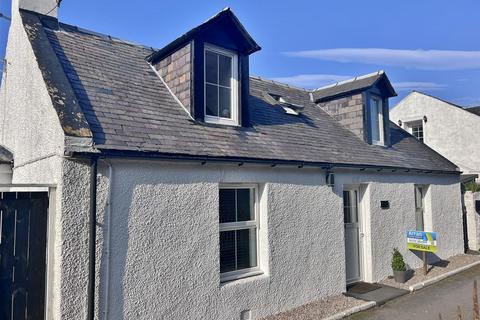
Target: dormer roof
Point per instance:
(354, 85)
(225, 20)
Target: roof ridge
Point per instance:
(279, 83)
(440, 99)
(372, 74)
(62, 27)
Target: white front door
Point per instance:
(352, 236)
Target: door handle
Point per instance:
(362, 234)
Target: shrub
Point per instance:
(472, 186)
(397, 261)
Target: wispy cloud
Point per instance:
(312, 80)
(416, 85)
(415, 59)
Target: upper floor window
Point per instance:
(416, 129)
(376, 120)
(221, 86)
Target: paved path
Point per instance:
(426, 304)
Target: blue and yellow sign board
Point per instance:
(422, 241)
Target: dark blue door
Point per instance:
(23, 221)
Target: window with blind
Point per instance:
(238, 220)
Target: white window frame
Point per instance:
(233, 120)
(410, 124)
(242, 225)
(379, 115)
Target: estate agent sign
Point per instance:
(422, 241)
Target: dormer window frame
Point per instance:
(233, 120)
(377, 115)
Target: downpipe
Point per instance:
(92, 239)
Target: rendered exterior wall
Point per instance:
(160, 258)
(164, 259)
(385, 228)
(449, 130)
(348, 111)
(473, 219)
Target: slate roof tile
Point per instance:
(128, 108)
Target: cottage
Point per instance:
(181, 187)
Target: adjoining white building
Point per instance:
(446, 127)
(180, 187)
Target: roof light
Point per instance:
(289, 107)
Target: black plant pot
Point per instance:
(400, 276)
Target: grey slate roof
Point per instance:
(474, 110)
(348, 86)
(5, 155)
(128, 108)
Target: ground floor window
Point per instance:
(420, 192)
(238, 218)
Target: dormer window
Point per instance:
(221, 86)
(376, 120)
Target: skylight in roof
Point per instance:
(289, 107)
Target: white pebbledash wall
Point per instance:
(161, 256)
(473, 219)
(449, 130)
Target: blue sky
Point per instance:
(428, 45)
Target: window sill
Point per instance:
(223, 121)
(378, 143)
(240, 275)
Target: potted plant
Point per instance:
(398, 266)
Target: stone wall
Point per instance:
(176, 71)
(348, 111)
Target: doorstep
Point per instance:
(378, 293)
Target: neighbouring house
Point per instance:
(443, 126)
(171, 184)
(450, 130)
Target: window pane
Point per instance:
(225, 70)
(346, 207)
(418, 198)
(354, 206)
(225, 103)
(419, 220)
(211, 100)
(245, 211)
(246, 248)
(211, 67)
(227, 205)
(374, 110)
(227, 251)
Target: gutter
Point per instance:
(92, 221)
(241, 161)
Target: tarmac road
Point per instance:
(442, 298)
